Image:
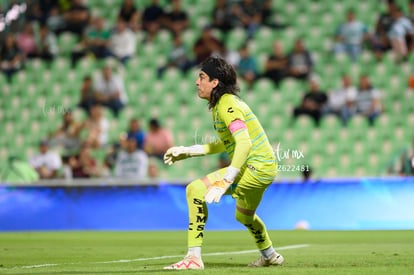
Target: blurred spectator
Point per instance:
(350, 36)
(76, 18)
(341, 98)
(123, 42)
(110, 158)
(95, 41)
(232, 57)
(313, 102)
(268, 17)
(47, 163)
(411, 11)
(276, 64)
(35, 13)
(247, 68)
(177, 57)
(158, 139)
(266, 13)
(367, 101)
(26, 41)
(83, 165)
(135, 131)
(129, 13)
(11, 58)
(42, 11)
(300, 63)
(54, 20)
(86, 100)
(411, 82)
(401, 31)
(380, 41)
(307, 175)
(177, 19)
(131, 162)
(206, 45)
(246, 14)
(67, 135)
(97, 127)
(407, 163)
(109, 90)
(152, 19)
(46, 44)
(153, 169)
(221, 16)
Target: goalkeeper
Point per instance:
(252, 169)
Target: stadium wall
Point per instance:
(353, 204)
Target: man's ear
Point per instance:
(215, 83)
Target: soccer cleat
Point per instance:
(189, 262)
(276, 259)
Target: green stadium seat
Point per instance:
(163, 41)
(66, 43)
(331, 125)
(358, 123)
(189, 37)
(235, 39)
(303, 127)
(264, 36)
(218, 34)
(345, 165)
(171, 78)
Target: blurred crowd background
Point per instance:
(94, 88)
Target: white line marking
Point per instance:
(296, 246)
(205, 254)
(37, 265)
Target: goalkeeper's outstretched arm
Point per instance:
(214, 147)
(177, 153)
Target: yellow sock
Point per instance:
(197, 212)
(256, 228)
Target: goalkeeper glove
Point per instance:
(177, 153)
(219, 188)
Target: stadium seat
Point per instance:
(66, 42)
(331, 125)
(358, 122)
(189, 37)
(235, 39)
(303, 127)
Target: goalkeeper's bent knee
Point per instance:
(195, 188)
(243, 219)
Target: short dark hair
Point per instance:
(155, 123)
(227, 77)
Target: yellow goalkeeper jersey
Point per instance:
(261, 157)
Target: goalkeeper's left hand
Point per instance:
(177, 153)
(217, 190)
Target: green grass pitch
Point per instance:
(102, 252)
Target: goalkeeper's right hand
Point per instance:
(177, 153)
